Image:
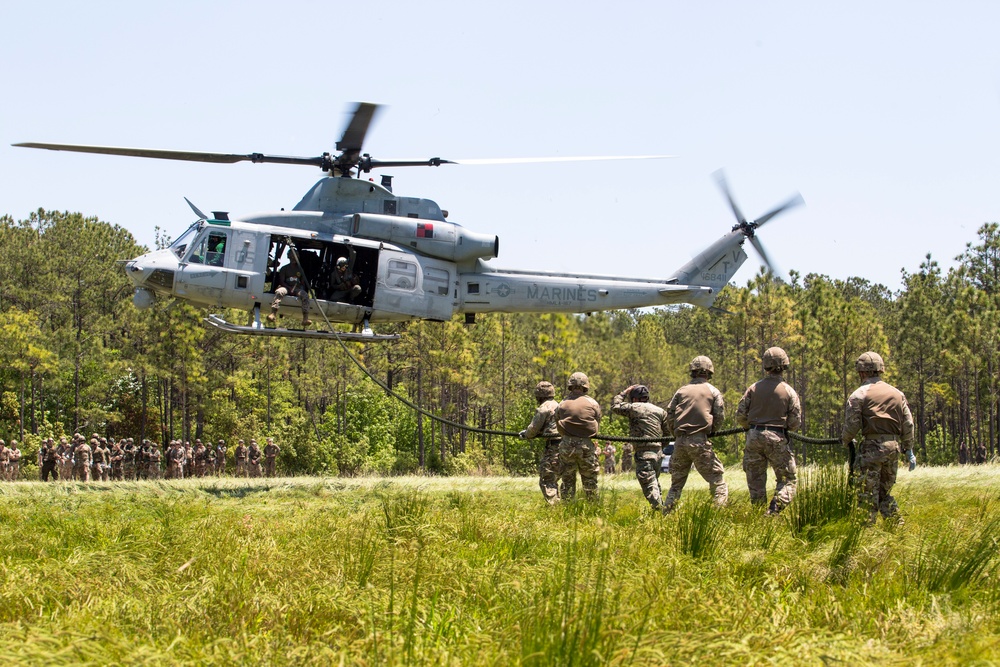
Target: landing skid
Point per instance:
(365, 336)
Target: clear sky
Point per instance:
(884, 115)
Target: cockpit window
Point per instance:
(181, 244)
(209, 249)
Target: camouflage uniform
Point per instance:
(880, 412)
(253, 459)
(770, 408)
(47, 455)
(200, 459)
(692, 414)
(153, 470)
(543, 425)
(220, 458)
(271, 452)
(64, 460)
(117, 455)
(577, 419)
(102, 462)
(4, 460)
(609, 459)
(83, 457)
(291, 280)
(344, 285)
(175, 461)
(14, 465)
(128, 461)
(645, 420)
(240, 454)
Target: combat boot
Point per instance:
(272, 315)
(306, 321)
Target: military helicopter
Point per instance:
(407, 260)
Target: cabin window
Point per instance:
(401, 275)
(436, 281)
(473, 288)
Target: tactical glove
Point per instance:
(913, 459)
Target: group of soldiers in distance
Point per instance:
(77, 459)
(769, 410)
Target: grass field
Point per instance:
(480, 571)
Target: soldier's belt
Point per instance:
(777, 429)
(880, 438)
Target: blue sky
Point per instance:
(883, 115)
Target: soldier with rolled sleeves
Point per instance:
(543, 425)
(83, 457)
(881, 414)
(240, 454)
(14, 466)
(645, 420)
(692, 415)
(770, 408)
(577, 420)
(47, 461)
(271, 452)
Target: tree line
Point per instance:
(76, 355)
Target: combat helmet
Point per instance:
(701, 364)
(341, 261)
(774, 359)
(870, 362)
(578, 381)
(639, 393)
(544, 390)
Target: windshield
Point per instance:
(181, 244)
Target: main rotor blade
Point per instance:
(759, 247)
(796, 200)
(720, 178)
(531, 160)
(191, 156)
(354, 133)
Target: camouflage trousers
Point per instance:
(627, 462)
(241, 467)
(220, 467)
(81, 473)
(647, 471)
(153, 470)
(609, 465)
(269, 466)
(129, 471)
(695, 450)
(175, 470)
(548, 471)
(254, 469)
(765, 448)
(282, 292)
(13, 471)
(577, 454)
(878, 462)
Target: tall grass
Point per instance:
(824, 495)
(481, 571)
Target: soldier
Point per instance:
(188, 459)
(577, 419)
(253, 458)
(153, 457)
(64, 457)
(271, 452)
(770, 408)
(609, 458)
(220, 458)
(128, 460)
(200, 458)
(344, 285)
(117, 455)
(240, 454)
(290, 280)
(692, 414)
(175, 460)
(4, 460)
(880, 412)
(543, 425)
(142, 466)
(47, 461)
(645, 420)
(102, 460)
(14, 465)
(209, 459)
(628, 452)
(83, 458)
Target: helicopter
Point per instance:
(405, 260)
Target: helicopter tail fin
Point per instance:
(713, 267)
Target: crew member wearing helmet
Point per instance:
(543, 425)
(880, 413)
(645, 420)
(770, 408)
(344, 285)
(577, 419)
(692, 415)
